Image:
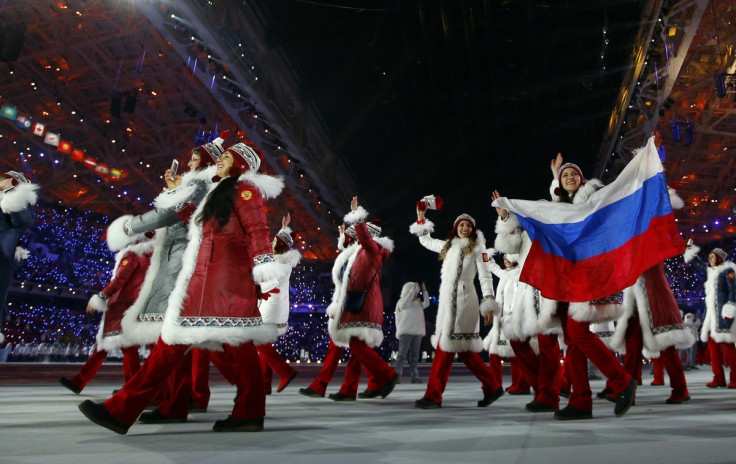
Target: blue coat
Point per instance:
(16, 208)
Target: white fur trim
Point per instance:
(729, 311)
(675, 199)
(291, 258)
(97, 303)
(359, 215)
(117, 239)
(269, 186)
(21, 197)
(385, 242)
(709, 328)
(271, 271)
(422, 229)
(690, 253)
(490, 305)
(587, 312)
(21, 254)
(136, 332)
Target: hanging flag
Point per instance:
(39, 129)
(116, 173)
(24, 122)
(77, 155)
(51, 139)
(587, 251)
(9, 112)
(102, 169)
(90, 162)
(65, 147)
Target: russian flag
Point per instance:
(587, 251)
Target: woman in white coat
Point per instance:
(457, 330)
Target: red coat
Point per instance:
(361, 261)
(215, 299)
(131, 264)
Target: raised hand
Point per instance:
(502, 213)
(555, 164)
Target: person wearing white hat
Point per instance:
(17, 198)
(228, 265)
(652, 323)
(360, 328)
(720, 309)
(533, 338)
(457, 329)
(276, 309)
(130, 268)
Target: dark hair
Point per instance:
(219, 204)
(565, 196)
(453, 234)
(281, 247)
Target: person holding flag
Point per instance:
(587, 245)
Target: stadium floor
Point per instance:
(40, 423)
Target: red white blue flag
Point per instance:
(591, 250)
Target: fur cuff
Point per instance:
(97, 303)
(728, 311)
(675, 199)
(422, 229)
(489, 304)
(21, 254)
(269, 271)
(21, 197)
(117, 238)
(690, 253)
(356, 216)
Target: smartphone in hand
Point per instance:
(174, 169)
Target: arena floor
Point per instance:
(40, 423)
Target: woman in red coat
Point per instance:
(361, 330)
(131, 264)
(214, 301)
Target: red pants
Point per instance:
(669, 360)
(329, 365)
(378, 371)
(128, 403)
(582, 344)
(496, 364)
(541, 371)
(222, 363)
(200, 377)
(440, 373)
(272, 361)
(720, 352)
(657, 370)
(131, 364)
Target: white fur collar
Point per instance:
(269, 186)
(184, 192)
(18, 199)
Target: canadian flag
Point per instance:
(39, 129)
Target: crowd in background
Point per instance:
(67, 250)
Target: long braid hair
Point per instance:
(219, 204)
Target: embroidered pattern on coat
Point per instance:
(360, 325)
(220, 321)
(151, 317)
